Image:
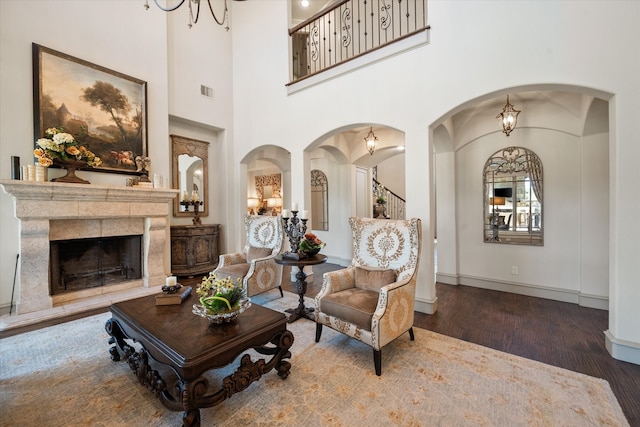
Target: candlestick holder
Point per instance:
(295, 228)
(196, 209)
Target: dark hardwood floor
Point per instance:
(557, 333)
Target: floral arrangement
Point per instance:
(61, 145)
(311, 243)
(380, 194)
(220, 295)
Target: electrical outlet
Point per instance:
(514, 270)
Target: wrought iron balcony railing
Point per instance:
(352, 28)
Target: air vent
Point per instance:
(206, 91)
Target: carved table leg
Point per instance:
(194, 394)
(300, 310)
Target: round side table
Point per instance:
(301, 284)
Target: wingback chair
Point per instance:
(373, 299)
(255, 265)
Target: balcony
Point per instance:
(351, 29)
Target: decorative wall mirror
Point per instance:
(319, 201)
(190, 173)
(268, 193)
(513, 197)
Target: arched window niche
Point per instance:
(319, 201)
(513, 197)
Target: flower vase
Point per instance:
(381, 210)
(70, 166)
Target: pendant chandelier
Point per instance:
(192, 20)
(371, 140)
(508, 117)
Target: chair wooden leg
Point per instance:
(411, 334)
(318, 331)
(281, 294)
(377, 361)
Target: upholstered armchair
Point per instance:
(373, 299)
(255, 265)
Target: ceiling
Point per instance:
(299, 13)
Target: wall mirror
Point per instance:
(190, 173)
(513, 197)
(268, 191)
(319, 201)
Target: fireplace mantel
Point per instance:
(53, 191)
(49, 211)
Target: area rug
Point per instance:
(63, 376)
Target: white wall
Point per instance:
(92, 31)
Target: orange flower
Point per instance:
(72, 150)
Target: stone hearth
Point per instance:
(55, 211)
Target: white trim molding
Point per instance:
(538, 291)
(626, 351)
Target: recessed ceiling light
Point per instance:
(304, 3)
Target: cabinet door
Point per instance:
(179, 254)
(194, 249)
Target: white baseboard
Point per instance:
(447, 279)
(626, 351)
(564, 295)
(426, 306)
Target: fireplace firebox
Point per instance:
(78, 264)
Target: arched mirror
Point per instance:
(319, 201)
(513, 197)
(190, 174)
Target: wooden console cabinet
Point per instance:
(194, 249)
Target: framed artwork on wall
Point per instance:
(104, 110)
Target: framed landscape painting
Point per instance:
(104, 110)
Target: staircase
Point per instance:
(394, 204)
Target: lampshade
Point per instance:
(508, 117)
(273, 202)
(252, 202)
(371, 140)
(497, 201)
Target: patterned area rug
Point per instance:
(63, 376)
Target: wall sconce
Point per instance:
(371, 140)
(508, 117)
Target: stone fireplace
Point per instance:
(50, 211)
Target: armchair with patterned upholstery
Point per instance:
(373, 299)
(255, 265)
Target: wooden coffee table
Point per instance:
(175, 337)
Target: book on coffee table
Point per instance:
(175, 298)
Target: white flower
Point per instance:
(63, 138)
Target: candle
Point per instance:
(285, 213)
(185, 196)
(171, 281)
(194, 195)
(304, 215)
(294, 207)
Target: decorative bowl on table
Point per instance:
(310, 245)
(221, 300)
(225, 316)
